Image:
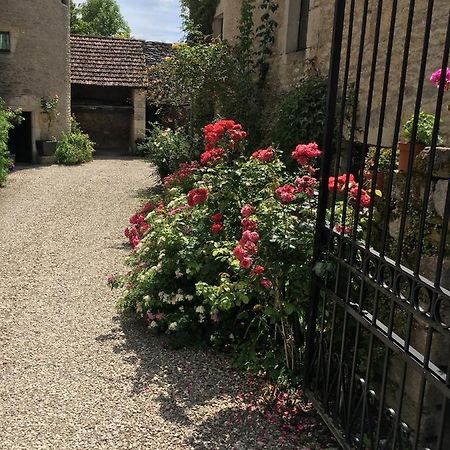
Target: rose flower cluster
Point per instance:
(138, 226)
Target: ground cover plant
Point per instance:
(74, 147)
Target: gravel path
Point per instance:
(73, 373)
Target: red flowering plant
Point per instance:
(227, 258)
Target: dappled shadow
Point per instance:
(187, 383)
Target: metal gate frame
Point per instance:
(355, 405)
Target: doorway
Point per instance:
(20, 140)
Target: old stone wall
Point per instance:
(288, 65)
(38, 64)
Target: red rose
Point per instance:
(248, 224)
(264, 155)
(265, 283)
(216, 228)
(246, 262)
(258, 270)
(239, 252)
(197, 196)
(216, 217)
(247, 210)
(285, 193)
(250, 247)
(304, 152)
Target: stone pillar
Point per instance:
(138, 120)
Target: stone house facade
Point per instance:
(34, 64)
(303, 41)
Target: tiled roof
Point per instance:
(104, 61)
(155, 52)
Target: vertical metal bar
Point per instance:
(401, 96)
(343, 107)
(382, 396)
(443, 428)
(381, 118)
(432, 155)
(321, 237)
(370, 93)
(355, 108)
(407, 191)
(422, 386)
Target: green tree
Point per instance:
(98, 18)
(201, 13)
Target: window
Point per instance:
(303, 25)
(5, 41)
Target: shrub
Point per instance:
(74, 147)
(300, 116)
(167, 148)
(7, 118)
(425, 127)
(224, 256)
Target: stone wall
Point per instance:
(438, 311)
(288, 65)
(38, 64)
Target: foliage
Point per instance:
(425, 127)
(8, 118)
(265, 33)
(98, 18)
(201, 14)
(300, 116)
(167, 148)
(49, 107)
(74, 147)
(206, 78)
(224, 256)
(384, 159)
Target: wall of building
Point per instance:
(38, 64)
(288, 65)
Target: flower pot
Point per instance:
(405, 148)
(46, 148)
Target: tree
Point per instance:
(98, 18)
(201, 13)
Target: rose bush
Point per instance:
(224, 256)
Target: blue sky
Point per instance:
(154, 20)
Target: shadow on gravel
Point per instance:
(183, 379)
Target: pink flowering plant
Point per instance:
(224, 256)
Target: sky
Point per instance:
(153, 20)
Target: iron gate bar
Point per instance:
(381, 118)
(320, 238)
(401, 96)
(407, 191)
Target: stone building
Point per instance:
(34, 63)
(109, 88)
(303, 41)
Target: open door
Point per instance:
(20, 140)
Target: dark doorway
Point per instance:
(20, 140)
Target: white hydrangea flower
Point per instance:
(178, 273)
(181, 308)
(173, 326)
(146, 298)
(161, 295)
(231, 336)
(179, 298)
(201, 318)
(153, 324)
(200, 309)
(189, 297)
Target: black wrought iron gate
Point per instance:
(378, 345)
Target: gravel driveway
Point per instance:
(73, 373)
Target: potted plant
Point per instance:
(424, 137)
(49, 107)
(384, 162)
